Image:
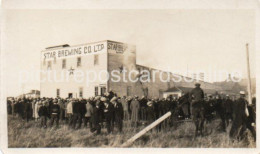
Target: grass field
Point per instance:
(22, 134)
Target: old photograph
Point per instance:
(168, 78)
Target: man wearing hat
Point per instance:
(135, 108)
(55, 113)
(196, 97)
(125, 107)
(96, 118)
(79, 111)
(228, 103)
(118, 113)
(43, 113)
(150, 112)
(242, 118)
(108, 113)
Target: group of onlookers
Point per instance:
(110, 111)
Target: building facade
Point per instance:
(95, 68)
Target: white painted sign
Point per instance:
(76, 51)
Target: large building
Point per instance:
(69, 71)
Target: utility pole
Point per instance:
(248, 76)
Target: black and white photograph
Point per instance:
(129, 78)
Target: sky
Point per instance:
(173, 40)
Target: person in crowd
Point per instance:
(37, 107)
(27, 109)
(143, 106)
(78, 113)
(228, 104)
(124, 103)
(135, 107)
(9, 106)
(88, 115)
(69, 111)
(13, 102)
(43, 113)
(96, 118)
(196, 97)
(118, 113)
(220, 109)
(62, 109)
(55, 113)
(150, 112)
(82, 110)
(242, 119)
(108, 113)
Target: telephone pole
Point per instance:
(248, 76)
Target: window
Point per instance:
(103, 91)
(96, 59)
(96, 91)
(49, 65)
(58, 93)
(80, 92)
(128, 90)
(78, 61)
(63, 63)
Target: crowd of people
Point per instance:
(110, 111)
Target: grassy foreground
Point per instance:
(22, 134)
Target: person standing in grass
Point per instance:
(37, 106)
(96, 118)
(243, 118)
(118, 113)
(150, 112)
(135, 107)
(88, 115)
(124, 102)
(55, 113)
(108, 113)
(43, 113)
(69, 111)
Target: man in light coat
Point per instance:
(135, 107)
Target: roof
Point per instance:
(188, 89)
(182, 89)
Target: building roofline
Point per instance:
(51, 49)
(74, 45)
(174, 73)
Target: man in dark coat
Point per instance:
(135, 107)
(27, 109)
(108, 113)
(9, 106)
(118, 113)
(242, 119)
(150, 112)
(43, 113)
(96, 118)
(55, 113)
(143, 106)
(197, 110)
(79, 111)
(228, 103)
(61, 103)
(220, 109)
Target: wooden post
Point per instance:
(146, 129)
(248, 76)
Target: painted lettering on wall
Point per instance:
(74, 51)
(118, 47)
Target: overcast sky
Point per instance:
(175, 40)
